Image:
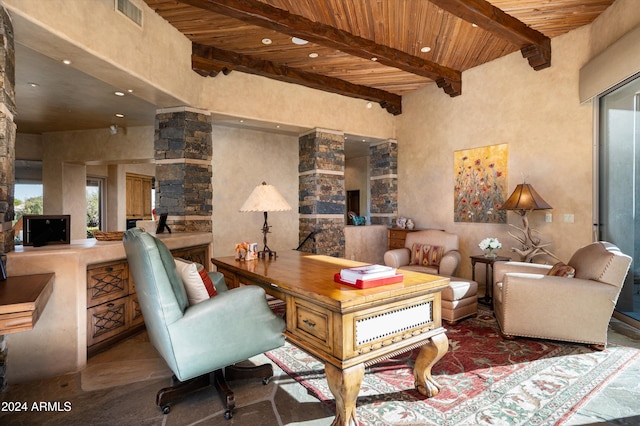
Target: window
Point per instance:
(95, 204)
(27, 200)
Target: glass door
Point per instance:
(619, 184)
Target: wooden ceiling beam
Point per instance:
(535, 46)
(209, 61)
(266, 16)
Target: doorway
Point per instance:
(619, 185)
(353, 201)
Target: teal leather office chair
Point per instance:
(199, 341)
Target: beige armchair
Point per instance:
(530, 303)
(446, 265)
(460, 298)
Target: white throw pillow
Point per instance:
(192, 279)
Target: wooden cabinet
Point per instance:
(113, 311)
(139, 196)
(396, 237)
(107, 302)
(193, 254)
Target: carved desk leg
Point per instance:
(345, 386)
(428, 356)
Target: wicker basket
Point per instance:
(108, 236)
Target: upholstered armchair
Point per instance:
(531, 303)
(438, 253)
(198, 340)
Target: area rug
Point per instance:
(485, 380)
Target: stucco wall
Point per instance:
(64, 156)
(243, 159)
(156, 61)
(537, 113)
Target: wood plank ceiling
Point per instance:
(377, 50)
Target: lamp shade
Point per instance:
(265, 198)
(524, 197)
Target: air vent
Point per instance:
(130, 10)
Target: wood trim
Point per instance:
(266, 16)
(209, 61)
(22, 300)
(535, 46)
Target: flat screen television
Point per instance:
(40, 230)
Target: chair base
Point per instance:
(167, 396)
(455, 322)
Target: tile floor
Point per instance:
(118, 387)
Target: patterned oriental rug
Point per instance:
(485, 380)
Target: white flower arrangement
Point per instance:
(490, 244)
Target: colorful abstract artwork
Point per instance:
(480, 184)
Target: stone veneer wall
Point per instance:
(7, 155)
(322, 199)
(183, 152)
(7, 131)
(384, 182)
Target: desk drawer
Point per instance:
(107, 282)
(107, 320)
(313, 324)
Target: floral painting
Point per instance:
(480, 185)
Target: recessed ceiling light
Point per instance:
(266, 41)
(299, 41)
(474, 25)
(66, 62)
(119, 115)
(130, 90)
(118, 93)
(425, 49)
(374, 59)
(313, 55)
(33, 84)
(369, 105)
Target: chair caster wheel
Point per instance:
(165, 409)
(228, 415)
(266, 380)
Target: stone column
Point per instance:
(383, 163)
(7, 132)
(322, 197)
(7, 155)
(183, 152)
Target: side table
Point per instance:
(488, 262)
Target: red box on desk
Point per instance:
(370, 283)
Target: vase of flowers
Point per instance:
(489, 245)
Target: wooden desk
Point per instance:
(349, 328)
(22, 300)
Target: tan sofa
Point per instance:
(460, 298)
(530, 303)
